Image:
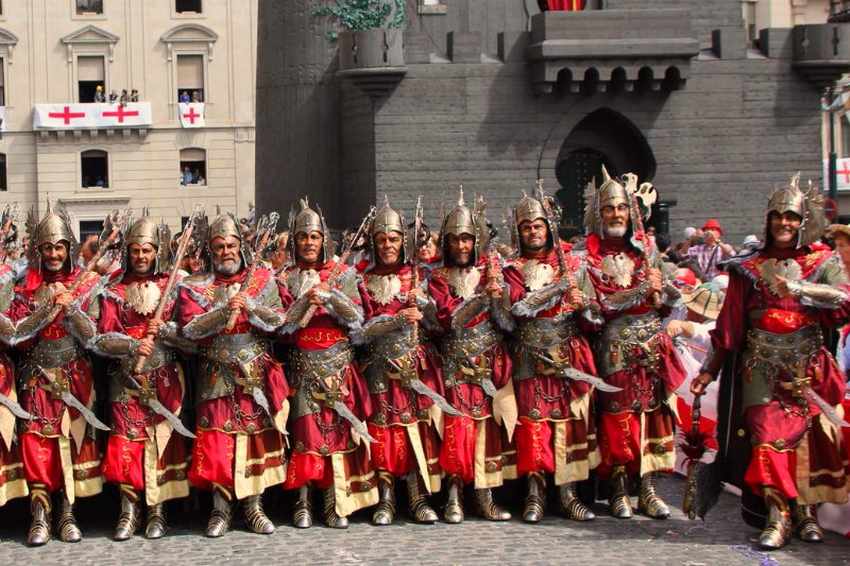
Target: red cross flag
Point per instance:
(75, 116)
(191, 114)
(842, 170)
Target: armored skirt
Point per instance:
(12, 481)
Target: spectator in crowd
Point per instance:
(100, 182)
(134, 95)
(187, 178)
(113, 97)
(750, 243)
(125, 98)
(99, 95)
(196, 96)
(184, 97)
(197, 178)
(711, 252)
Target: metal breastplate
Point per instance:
(318, 377)
(773, 362)
(53, 353)
(628, 341)
(538, 349)
(229, 360)
(160, 357)
(459, 351)
(395, 347)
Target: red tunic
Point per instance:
(636, 355)
(395, 404)
(130, 420)
(457, 454)
(51, 431)
(223, 416)
(783, 427)
(317, 435)
(551, 406)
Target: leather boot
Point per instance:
(332, 519)
(222, 514)
(420, 511)
(535, 500)
(157, 524)
(39, 532)
(573, 507)
(488, 508)
(128, 520)
(453, 513)
(66, 524)
(649, 503)
(806, 519)
(778, 530)
(302, 514)
(618, 499)
(255, 517)
(385, 511)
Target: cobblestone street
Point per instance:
(723, 540)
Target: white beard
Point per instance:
(615, 232)
(232, 268)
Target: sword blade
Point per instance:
(597, 382)
(158, 408)
(87, 414)
(358, 425)
(489, 387)
(175, 422)
(16, 409)
(826, 409)
(439, 400)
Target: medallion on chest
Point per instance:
(464, 282)
(383, 288)
(772, 270)
(302, 280)
(537, 275)
(143, 296)
(619, 269)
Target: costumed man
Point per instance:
(330, 396)
(143, 455)
(404, 376)
(472, 307)
(13, 484)
(553, 374)
(782, 446)
(634, 353)
(242, 403)
(56, 387)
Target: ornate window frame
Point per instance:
(188, 39)
(88, 41)
(8, 41)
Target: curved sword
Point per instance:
(16, 409)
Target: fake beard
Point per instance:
(228, 267)
(615, 231)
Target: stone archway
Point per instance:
(603, 137)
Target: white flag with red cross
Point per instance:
(73, 116)
(191, 114)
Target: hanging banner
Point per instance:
(191, 114)
(74, 116)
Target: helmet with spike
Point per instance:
(529, 209)
(614, 192)
(459, 221)
(387, 220)
(145, 230)
(808, 205)
(305, 221)
(55, 227)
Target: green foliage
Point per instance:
(362, 15)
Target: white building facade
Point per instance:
(61, 138)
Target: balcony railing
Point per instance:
(94, 117)
(604, 49)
